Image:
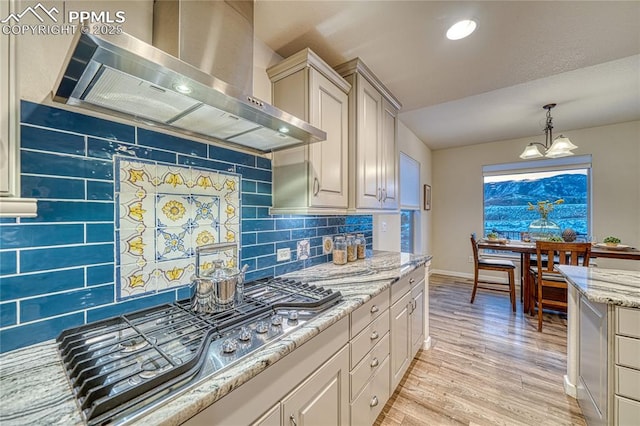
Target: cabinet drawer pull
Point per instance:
(316, 186)
(374, 401)
(374, 363)
(384, 195)
(374, 335)
(374, 309)
(292, 420)
(412, 280)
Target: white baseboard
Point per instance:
(569, 388)
(427, 343)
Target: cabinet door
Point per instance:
(592, 361)
(329, 110)
(369, 127)
(323, 398)
(271, 418)
(389, 157)
(8, 111)
(400, 338)
(417, 317)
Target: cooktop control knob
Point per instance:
(293, 315)
(229, 346)
(245, 334)
(276, 319)
(262, 327)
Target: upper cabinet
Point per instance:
(373, 166)
(313, 178)
(10, 203)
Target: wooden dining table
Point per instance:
(526, 249)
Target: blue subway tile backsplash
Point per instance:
(53, 187)
(59, 119)
(8, 314)
(44, 139)
(38, 235)
(58, 270)
(28, 285)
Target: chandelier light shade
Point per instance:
(560, 147)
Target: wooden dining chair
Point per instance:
(492, 265)
(550, 288)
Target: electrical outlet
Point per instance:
(283, 254)
(384, 226)
(470, 259)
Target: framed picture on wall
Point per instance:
(427, 197)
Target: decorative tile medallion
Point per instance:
(164, 213)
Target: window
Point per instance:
(406, 231)
(409, 201)
(508, 188)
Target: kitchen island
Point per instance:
(603, 343)
(34, 389)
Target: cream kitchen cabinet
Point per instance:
(312, 178)
(626, 380)
(11, 205)
(608, 360)
(373, 152)
(311, 381)
(321, 399)
(273, 417)
(407, 322)
(369, 376)
(592, 386)
(417, 316)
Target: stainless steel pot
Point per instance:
(218, 288)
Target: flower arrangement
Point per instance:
(545, 207)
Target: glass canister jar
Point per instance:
(352, 254)
(340, 251)
(361, 246)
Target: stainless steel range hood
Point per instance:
(123, 76)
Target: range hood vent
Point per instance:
(123, 76)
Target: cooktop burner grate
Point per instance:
(119, 366)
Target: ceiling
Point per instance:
(582, 55)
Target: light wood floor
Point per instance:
(486, 366)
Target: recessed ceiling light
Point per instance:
(182, 88)
(283, 129)
(461, 29)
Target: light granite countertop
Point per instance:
(612, 286)
(34, 389)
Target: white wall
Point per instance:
(40, 57)
(457, 191)
(408, 143)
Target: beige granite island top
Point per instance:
(612, 286)
(34, 389)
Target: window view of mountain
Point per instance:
(506, 200)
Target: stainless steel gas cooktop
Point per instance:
(121, 368)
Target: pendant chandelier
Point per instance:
(560, 147)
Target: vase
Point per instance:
(543, 229)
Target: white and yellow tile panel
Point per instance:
(164, 212)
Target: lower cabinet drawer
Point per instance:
(628, 352)
(369, 366)
(628, 321)
(368, 338)
(628, 383)
(627, 412)
(368, 312)
(368, 405)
